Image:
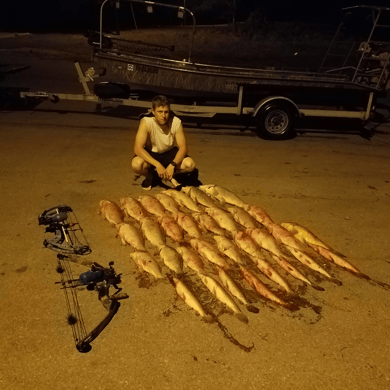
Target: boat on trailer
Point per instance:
(347, 75)
(352, 75)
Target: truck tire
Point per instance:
(275, 121)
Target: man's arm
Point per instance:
(140, 151)
(181, 143)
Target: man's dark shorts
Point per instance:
(164, 158)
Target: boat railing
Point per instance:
(363, 57)
(151, 3)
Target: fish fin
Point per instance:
(242, 317)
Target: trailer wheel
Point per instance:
(275, 121)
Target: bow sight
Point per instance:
(70, 242)
(62, 221)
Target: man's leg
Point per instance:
(187, 165)
(140, 166)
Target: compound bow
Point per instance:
(70, 242)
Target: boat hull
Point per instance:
(211, 82)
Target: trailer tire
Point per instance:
(275, 121)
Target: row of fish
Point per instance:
(235, 228)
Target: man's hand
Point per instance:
(170, 171)
(165, 173)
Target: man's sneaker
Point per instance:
(147, 183)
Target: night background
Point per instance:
(81, 15)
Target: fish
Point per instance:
(188, 224)
(146, 262)
(304, 235)
(152, 205)
(258, 214)
(242, 217)
(222, 194)
(223, 218)
(296, 248)
(246, 244)
(171, 258)
(171, 228)
(208, 223)
(267, 242)
(199, 196)
(129, 234)
(183, 199)
(209, 252)
(153, 232)
(168, 202)
(337, 259)
(229, 285)
(133, 208)
(260, 287)
(189, 298)
(111, 212)
(269, 271)
(229, 249)
(222, 295)
(191, 259)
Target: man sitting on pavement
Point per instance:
(160, 145)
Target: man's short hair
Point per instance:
(160, 100)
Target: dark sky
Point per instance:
(71, 14)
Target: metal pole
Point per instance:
(101, 23)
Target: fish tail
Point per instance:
(252, 309)
(242, 317)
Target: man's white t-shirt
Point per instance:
(158, 141)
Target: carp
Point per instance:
(260, 287)
(337, 259)
(199, 196)
(258, 214)
(244, 241)
(228, 248)
(296, 248)
(242, 217)
(171, 228)
(223, 218)
(246, 244)
(229, 284)
(191, 259)
(209, 252)
(146, 262)
(152, 205)
(153, 232)
(111, 212)
(283, 236)
(183, 199)
(171, 259)
(168, 202)
(129, 234)
(267, 242)
(303, 234)
(208, 223)
(133, 208)
(306, 236)
(222, 194)
(189, 298)
(222, 295)
(188, 224)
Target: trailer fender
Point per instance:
(276, 99)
